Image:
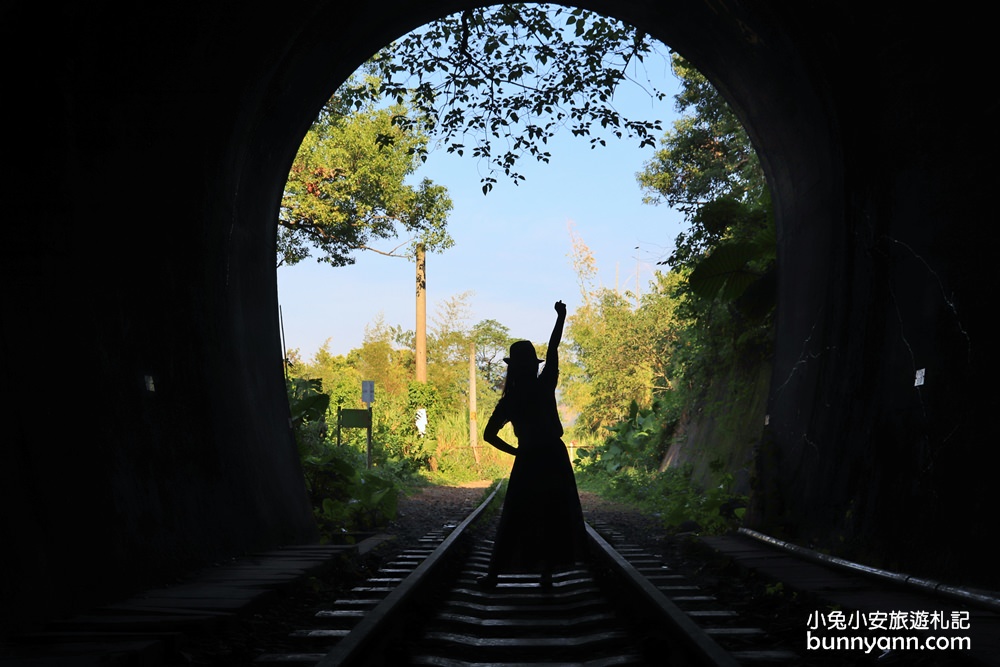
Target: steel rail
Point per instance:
(692, 640)
(679, 624)
(986, 599)
(352, 647)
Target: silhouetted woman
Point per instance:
(541, 525)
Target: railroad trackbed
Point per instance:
(627, 605)
(623, 607)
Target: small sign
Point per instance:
(421, 421)
(919, 379)
(355, 418)
(368, 391)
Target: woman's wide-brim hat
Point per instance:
(522, 352)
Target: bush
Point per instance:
(638, 442)
(672, 496)
(346, 496)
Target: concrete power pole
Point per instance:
(421, 338)
(473, 426)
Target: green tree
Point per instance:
(619, 348)
(347, 189)
(707, 168)
(339, 379)
(448, 351)
(723, 265)
(492, 341)
(379, 360)
(604, 338)
(660, 324)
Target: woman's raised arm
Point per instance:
(552, 354)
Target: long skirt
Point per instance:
(541, 524)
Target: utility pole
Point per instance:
(421, 338)
(637, 278)
(473, 426)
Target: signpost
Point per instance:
(355, 418)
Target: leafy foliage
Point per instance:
(711, 312)
(676, 499)
(386, 357)
(636, 442)
(625, 466)
(602, 333)
(707, 168)
(345, 496)
(509, 76)
(347, 187)
(380, 360)
(337, 377)
(448, 344)
(611, 327)
(726, 272)
(307, 401)
(492, 341)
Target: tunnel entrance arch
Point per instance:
(817, 466)
(740, 443)
(764, 82)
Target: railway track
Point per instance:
(624, 607)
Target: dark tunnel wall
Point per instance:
(858, 459)
(145, 155)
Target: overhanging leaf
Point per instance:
(725, 273)
(718, 215)
(759, 297)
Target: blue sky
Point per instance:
(512, 246)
